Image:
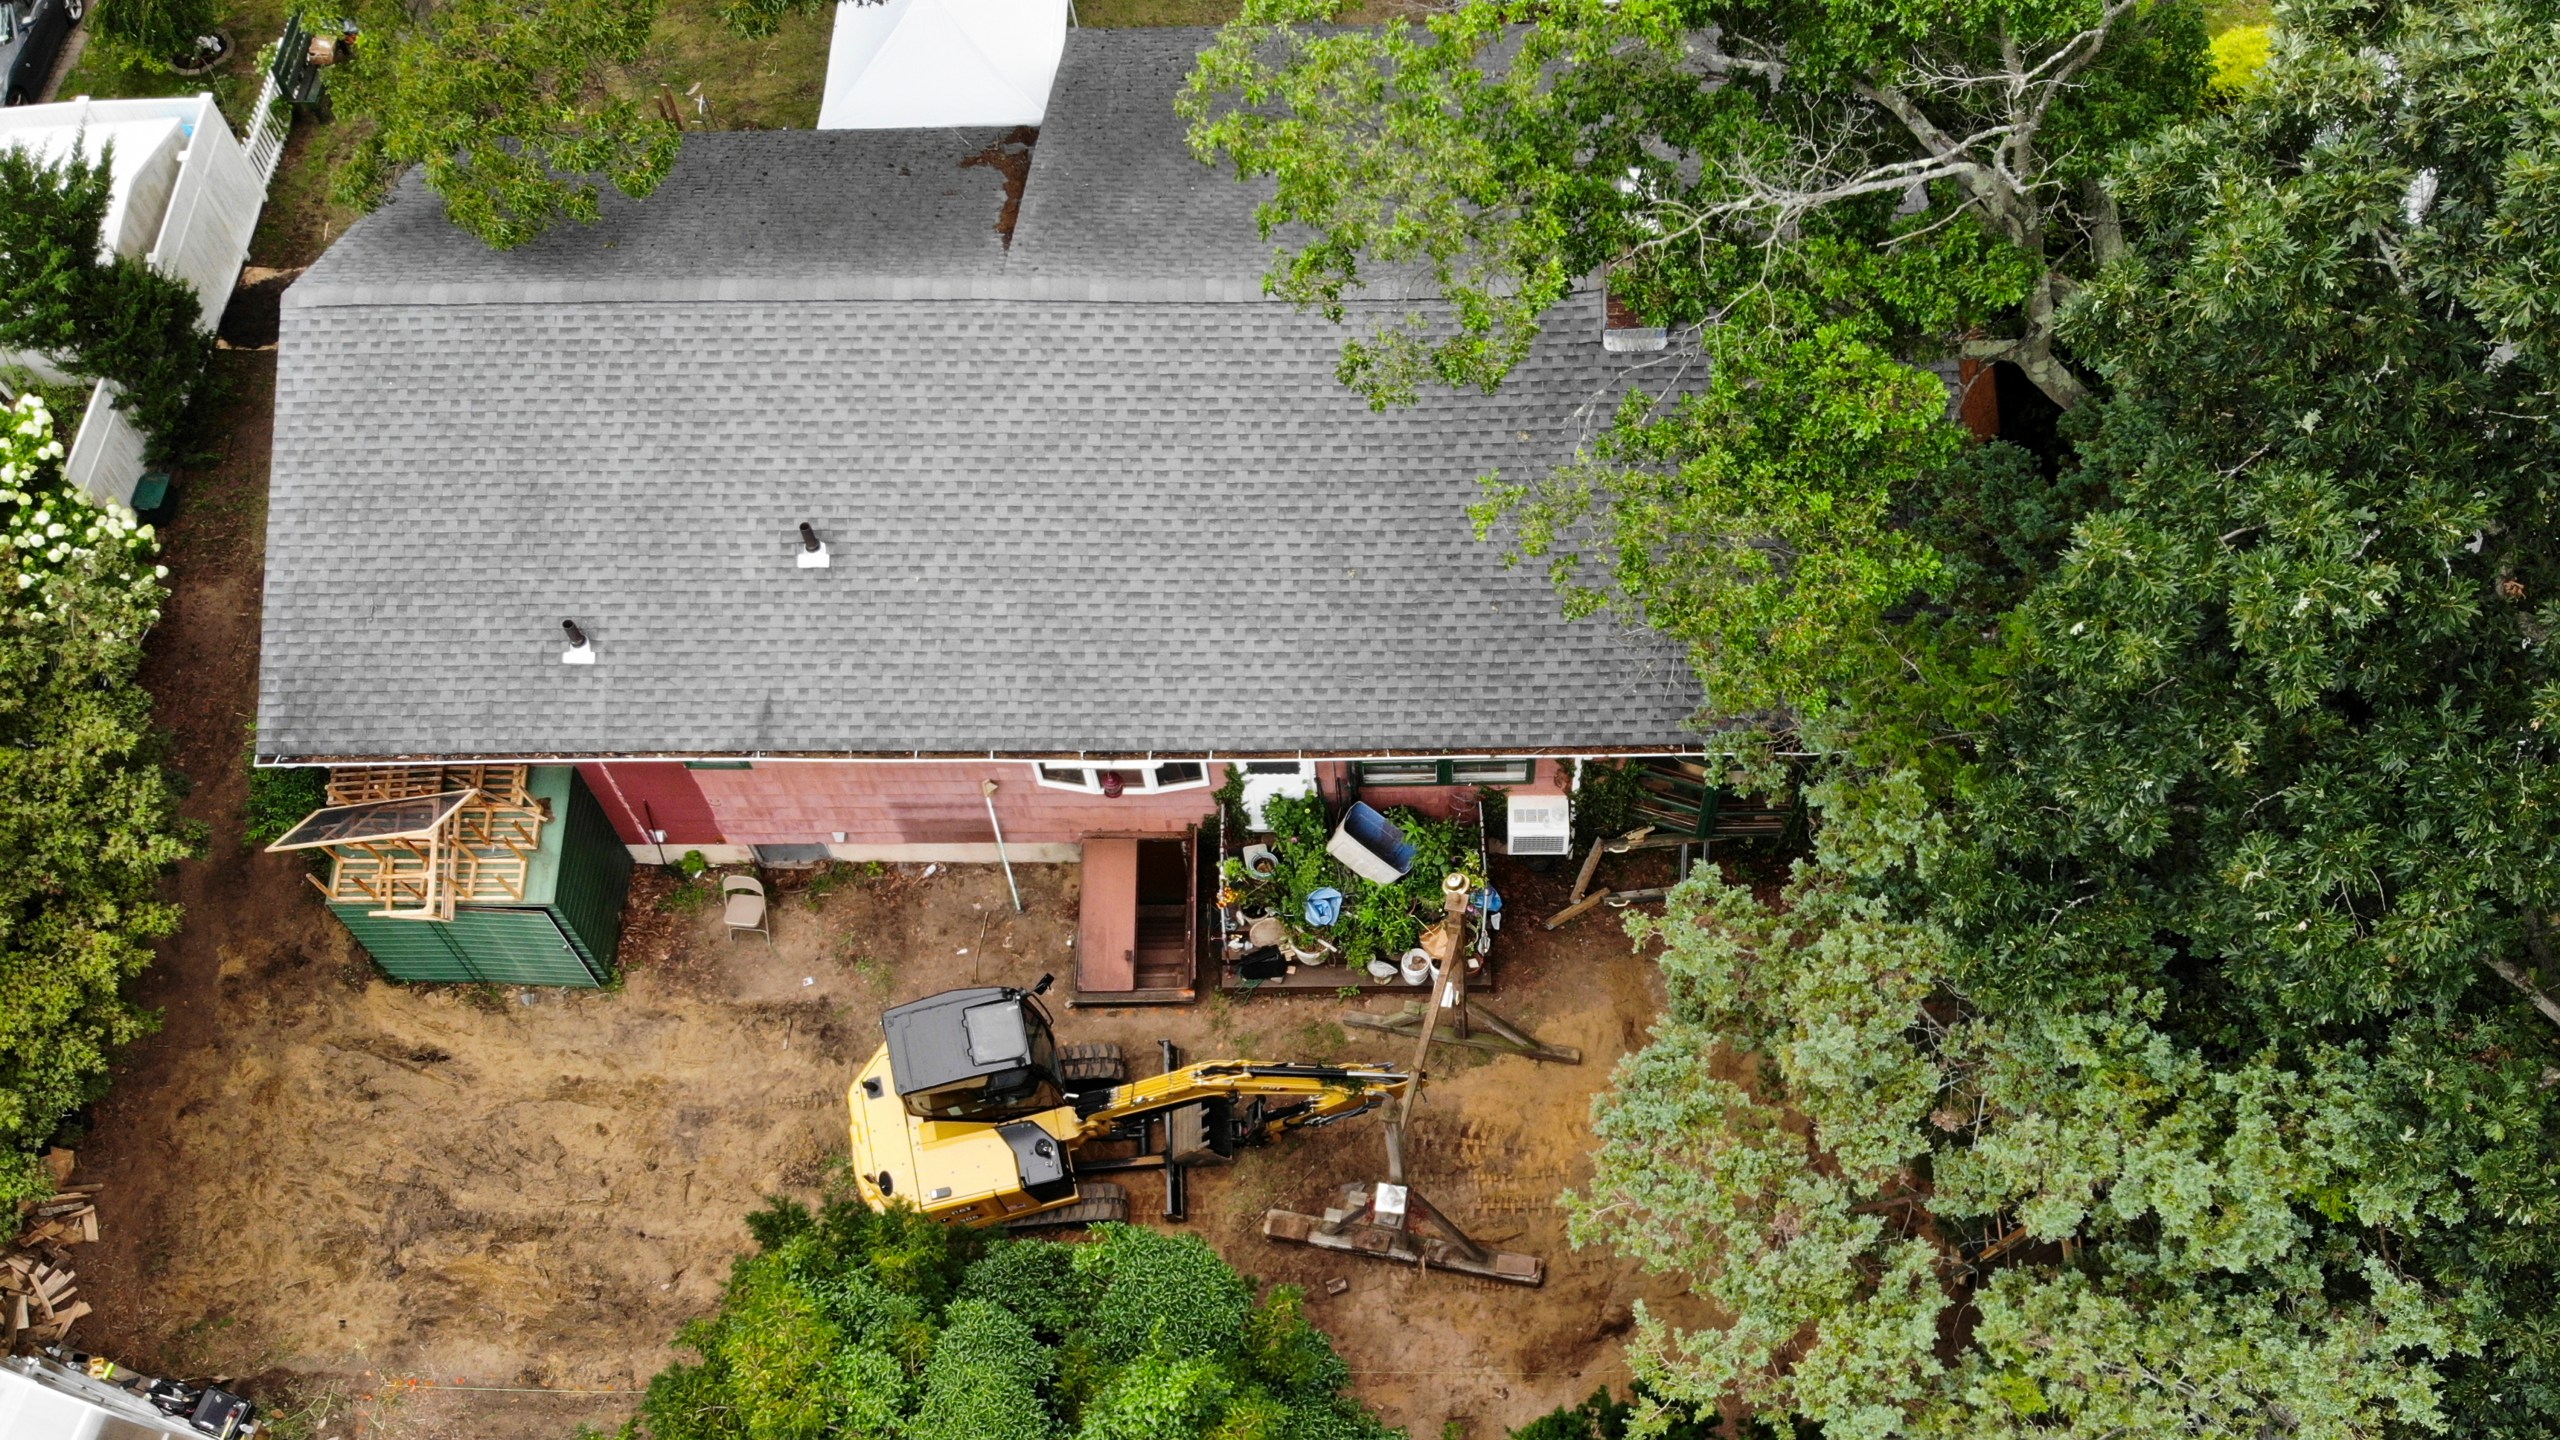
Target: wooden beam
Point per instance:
(1412, 1023)
(1582, 882)
(1575, 911)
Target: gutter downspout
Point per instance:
(1001, 858)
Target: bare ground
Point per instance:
(484, 1213)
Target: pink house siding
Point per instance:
(927, 803)
(637, 794)
(936, 803)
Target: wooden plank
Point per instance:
(1107, 917)
(1575, 911)
(1410, 1025)
(1590, 862)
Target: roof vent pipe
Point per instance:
(813, 552)
(580, 652)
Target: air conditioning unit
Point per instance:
(1541, 825)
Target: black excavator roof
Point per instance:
(959, 1034)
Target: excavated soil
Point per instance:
(482, 1213)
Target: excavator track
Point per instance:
(1096, 1201)
(1089, 1065)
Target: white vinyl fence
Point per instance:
(203, 239)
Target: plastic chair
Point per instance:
(743, 906)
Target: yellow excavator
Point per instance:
(973, 1113)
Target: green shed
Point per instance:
(562, 932)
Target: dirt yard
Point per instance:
(482, 1214)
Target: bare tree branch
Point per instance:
(2542, 1001)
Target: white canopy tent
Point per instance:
(917, 64)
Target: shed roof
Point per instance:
(1077, 508)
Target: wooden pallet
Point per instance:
(499, 785)
(482, 854)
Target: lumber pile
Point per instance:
(38, 1289)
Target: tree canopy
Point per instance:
(2151, 1045)
(88, 814)
(850, 1323)
(1826, 191)
(508, 105)
(2160, 1038)
(1916, 174)
(95, 315)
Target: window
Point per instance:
(1447, 772)
(719, 765)
(1136, 778)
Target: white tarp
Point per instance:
(917, 64)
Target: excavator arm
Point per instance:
(1278, 1095)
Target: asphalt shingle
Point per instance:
(1061, 518)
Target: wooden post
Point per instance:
(1453, 976)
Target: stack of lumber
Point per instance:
(36, 1280)
(39, 1298)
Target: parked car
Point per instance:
(32, 34)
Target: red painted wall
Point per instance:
(634, 792)
(928, 803)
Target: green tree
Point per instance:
(511, 107)
(1927, 169)
(2131, 1235)
(106, 317)
(2171, 1050)
(88, 814)
(1827, 191)
(850, 1323)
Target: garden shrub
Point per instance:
(88, 814)
(850, 1324)
(986, 1378)
(153, 34)
(1155, 1291)
(279, 796)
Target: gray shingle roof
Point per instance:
(748, 212)
(1120, 195)
(1058, 524)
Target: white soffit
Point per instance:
(918, 64)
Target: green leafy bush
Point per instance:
(153, 33)
(1603, 1417)
(850, 1324)
(279, 796)
(88, 815)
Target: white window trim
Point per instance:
(1142, 773)
(1453, 764)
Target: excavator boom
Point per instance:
(1292, 1095)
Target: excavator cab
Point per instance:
(985, 1055)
